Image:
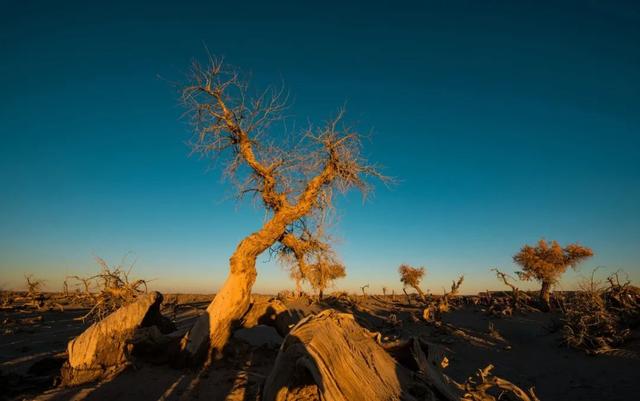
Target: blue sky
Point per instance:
(503, 123)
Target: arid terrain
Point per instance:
(525, 348)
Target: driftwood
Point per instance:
(105, 348)
(478, 388)
(342, 359)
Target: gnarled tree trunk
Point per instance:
(233, 299)
(213, 329)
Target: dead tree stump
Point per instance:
(342, 359)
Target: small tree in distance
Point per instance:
(547, 261)
(309, 257)
(323, 273)
(412, 276)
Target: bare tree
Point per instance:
(364, 294)
(443, 304)
(34, 285)
(412, 276)
(547, 261)
(292, 179)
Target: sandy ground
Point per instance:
(524, 349)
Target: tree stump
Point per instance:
(342, 359)
(104, 348)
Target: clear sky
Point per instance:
(504, 122)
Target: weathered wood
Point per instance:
(103, 348)
(342, 358)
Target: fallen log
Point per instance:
(106, 347)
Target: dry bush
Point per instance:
(412, 276)
(107, 291)
(34, 291)
(518, 301)
(34, 286)
(598, 318)
(546, 262)
(444, 303)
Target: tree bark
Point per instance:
(343, 360)
(213, 329)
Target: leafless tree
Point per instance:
(292, 177)
(364, 294)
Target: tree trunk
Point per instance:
(545, 295)
(213, 329)
(320, 295)
(420, 293)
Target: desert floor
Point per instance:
(524, 349)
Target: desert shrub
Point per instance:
(107, 291)
(598, 318)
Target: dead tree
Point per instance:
(411, 276)
(546, 262)
(384, 292)
(106, 291)
(34, 286)
(364, 294)
(519, 299)
(291, 180)
(444, 304)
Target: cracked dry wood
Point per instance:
(343, 359)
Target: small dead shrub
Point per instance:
(598, 318)
(107, 291)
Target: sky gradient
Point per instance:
(503, 123)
